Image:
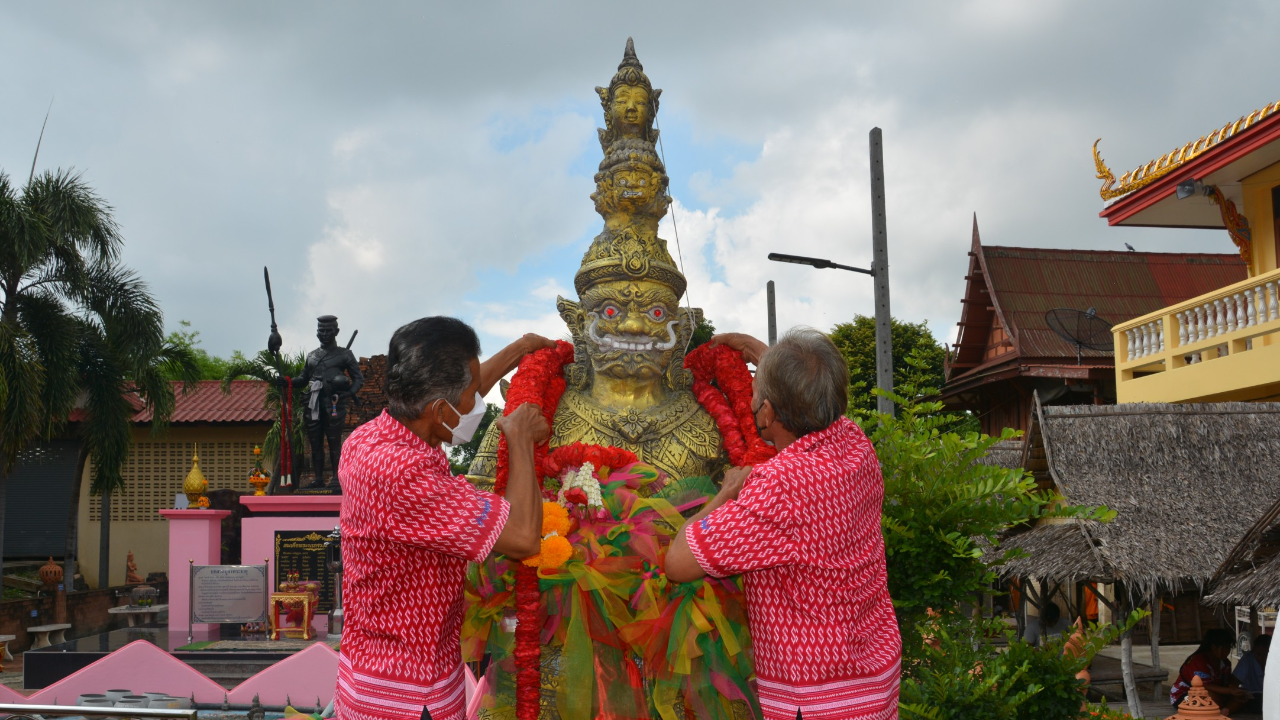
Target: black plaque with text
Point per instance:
(303, 551)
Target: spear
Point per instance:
(274, 341)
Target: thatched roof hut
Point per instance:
(1250, 575)
(1186, 481)
(1006, 454)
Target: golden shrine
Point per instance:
(627, 386)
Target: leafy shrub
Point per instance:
(969, 676)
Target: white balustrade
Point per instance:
(1272, 313)
(1182, 327)
(1199, 323)
(1160, 333)
(1231, 314)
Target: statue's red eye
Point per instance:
(657, 313)
(611, 312)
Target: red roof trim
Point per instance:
(1216, 158)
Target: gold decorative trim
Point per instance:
(1237, 225)
(1144, 175)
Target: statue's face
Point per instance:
(635, 188)
(631, 327)
(631, 109)
(327, 334)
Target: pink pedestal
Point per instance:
(193, 535)
(283, 504)
(258, 533)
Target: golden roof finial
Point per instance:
(1144, 175)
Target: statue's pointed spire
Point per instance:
(629, 58)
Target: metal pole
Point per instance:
(880, 267)
(773, 317)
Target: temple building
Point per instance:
(222, 428)
(1221, 344)
(1006, 351)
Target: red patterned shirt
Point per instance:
(408, 529)
(805, 535)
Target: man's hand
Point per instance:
(526, 424)
(533, 342)
(734, 480)
(752, 349)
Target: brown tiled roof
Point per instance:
(1028, 282)
(206, 403)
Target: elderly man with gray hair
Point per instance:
(803, 529)
(409, 526)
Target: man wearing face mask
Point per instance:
(409, 526)
(803, 529)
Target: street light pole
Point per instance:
(773, 316)
(880, 268)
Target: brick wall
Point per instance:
(86, 611)
(370, 399)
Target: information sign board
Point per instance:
(229, 593)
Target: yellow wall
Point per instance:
(1257, 208)
(153, 474)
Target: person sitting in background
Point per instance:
(1251, 670)
(1210, 662)
(1050, 623)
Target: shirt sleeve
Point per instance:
(443, 513)
(750, 533)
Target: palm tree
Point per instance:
(76, 329)
(268, 367)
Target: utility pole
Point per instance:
(773, 317)
(880, 270)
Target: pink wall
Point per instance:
(257, 543)
(193, 535)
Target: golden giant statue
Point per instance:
(628, 387)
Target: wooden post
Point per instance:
(1156, 602)
(1021, 611)
(1126, 662)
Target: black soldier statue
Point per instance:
(330, 379)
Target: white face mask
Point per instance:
(468, 423)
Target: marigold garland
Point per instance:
(722, 385)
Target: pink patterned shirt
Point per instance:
(805, 535)
(408, 529)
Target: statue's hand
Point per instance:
(752, 349)
(526, 424)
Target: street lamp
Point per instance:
(818, 263)
(879, 272)
(884, 338)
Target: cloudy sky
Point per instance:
(390, 161)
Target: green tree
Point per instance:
(943, 518)
(460, 456)
(75, 326)
(857, 342)
(211, 367)
(944, 513)
(267, 367)
(702, 334)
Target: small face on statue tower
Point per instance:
(631, 110)
(327, 330)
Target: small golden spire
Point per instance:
(195, 484)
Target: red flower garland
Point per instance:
(728, 401)
(574, 455)
(540, 380)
